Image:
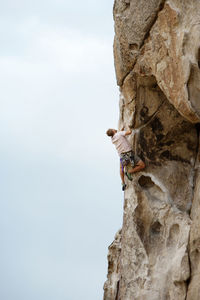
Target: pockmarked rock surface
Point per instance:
(156, 254)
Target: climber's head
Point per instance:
(111, 132)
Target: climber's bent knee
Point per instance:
(141, 164)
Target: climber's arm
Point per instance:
(128, 132)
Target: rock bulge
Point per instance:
(156, 254)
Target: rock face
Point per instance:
(156, 254)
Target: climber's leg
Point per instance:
(121, 171)
(140, 165)
(122, 175)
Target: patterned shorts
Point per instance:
(129, 157)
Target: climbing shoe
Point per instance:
(123, 186)
(129, 176)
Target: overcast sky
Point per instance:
(61, 199)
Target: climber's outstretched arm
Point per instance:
(128, 132)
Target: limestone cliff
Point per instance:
(156, 254)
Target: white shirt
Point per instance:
(121, 143)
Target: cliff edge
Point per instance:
(156, 254)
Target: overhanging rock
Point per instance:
(156, 255)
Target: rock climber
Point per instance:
(126, 154)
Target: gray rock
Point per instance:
(156, 256)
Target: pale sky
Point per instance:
(61, 199)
